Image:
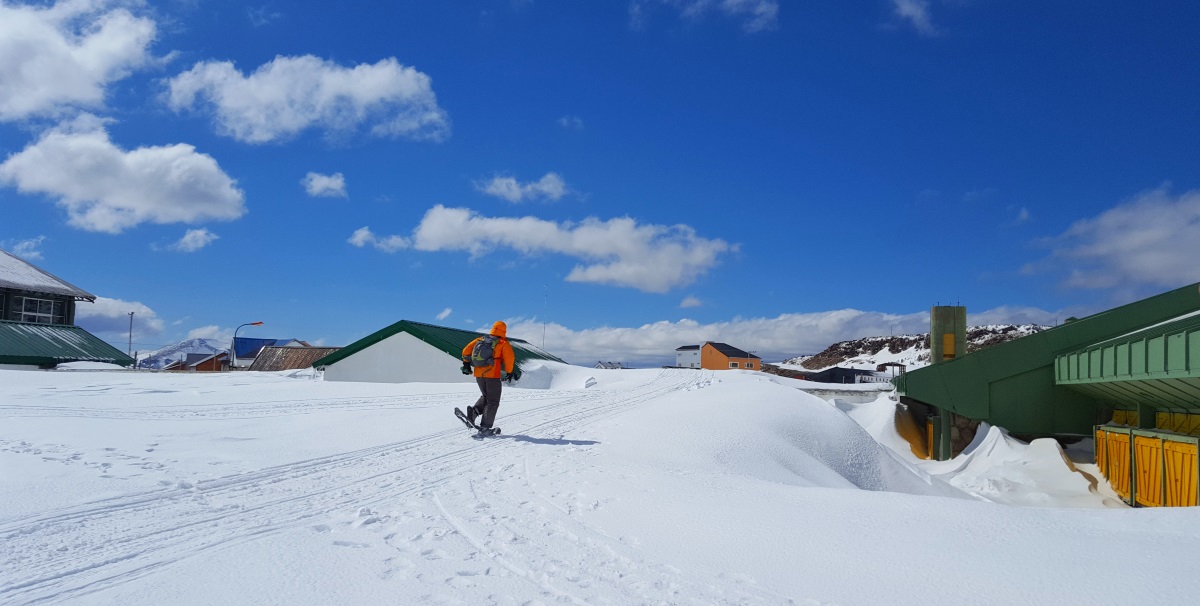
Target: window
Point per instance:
(41, 311)
(733, 364)
(750, 365)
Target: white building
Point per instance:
(412, 352)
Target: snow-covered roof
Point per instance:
(18, 273)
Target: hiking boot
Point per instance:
(473, 414)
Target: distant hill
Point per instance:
(179, 351)
(911, 350)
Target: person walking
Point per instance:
(492, 359)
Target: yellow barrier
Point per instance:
(1180, 466)
(1118, 463)
(929, 438)
(1148, 463)
(1178, 421)
(911, 432)
(1125, 417)
(1150, 467)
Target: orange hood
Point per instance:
(500, 329)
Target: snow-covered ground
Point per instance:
(607, 487)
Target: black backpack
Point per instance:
(483, 354)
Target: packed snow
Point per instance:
(662, 486)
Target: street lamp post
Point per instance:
(233, 346)
(129, 352)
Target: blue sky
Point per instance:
(615, 179)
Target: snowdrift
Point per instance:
(755, 428)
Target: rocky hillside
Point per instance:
(910, 350)
(179, 351)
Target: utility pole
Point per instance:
(545, 310)
(129, 351)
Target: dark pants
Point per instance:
(488, 403)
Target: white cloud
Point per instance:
(1023, 215)
(26, 249)
(617, 252)
(550, 186)
(194, 240)
(291, 94)
(916, 13)
(325, 186)
(56, 57)
(773, 339)
(756, 15)
(107, 189)
(212, 332)
(571, 122)
(690, 302)
(1152, 240)
(445, 313)
(363, 236)
(110, 318)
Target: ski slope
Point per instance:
(607, 487)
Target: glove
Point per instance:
(466, 367)
(516, 374)
(504, 376)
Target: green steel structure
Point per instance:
(1155, 369)
(45, 345)
(1067, 379)
(450, 340)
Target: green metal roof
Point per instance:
(1013, 385)
(450, 340)
(26, 343)
(1158, 366)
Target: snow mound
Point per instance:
(90, 366)
(1002, 469)
(781, 436)
(553, 375)
(995, 466)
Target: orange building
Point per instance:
(719, 356)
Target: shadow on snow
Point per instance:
(546, 441)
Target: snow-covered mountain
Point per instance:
(911, 350)
(161, 357)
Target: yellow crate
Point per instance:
(1180, 422)
(1125, 417)
(1148, 472)
(1117, 456)
(1180, 459)
(1101, 447)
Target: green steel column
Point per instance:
(947, 340)
(943, 449)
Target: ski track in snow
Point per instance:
(81, 550)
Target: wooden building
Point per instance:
(720, 356)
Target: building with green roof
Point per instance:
(411, 352)
(37, 317)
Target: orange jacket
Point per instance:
(502, 353)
